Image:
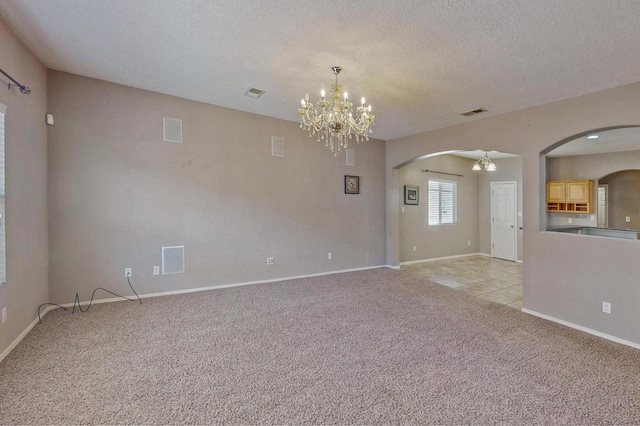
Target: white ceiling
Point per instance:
(420, 63)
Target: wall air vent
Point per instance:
(172, 260)
(474, 112)
(172, 130)
(254, 93)
(351, 157)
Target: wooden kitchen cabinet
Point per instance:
(556, 191)
(570, 196)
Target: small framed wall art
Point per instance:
(411, 194)
(351, 184)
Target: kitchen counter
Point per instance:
(625, 233)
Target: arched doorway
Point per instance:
(456, 250)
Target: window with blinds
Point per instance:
(442, 202)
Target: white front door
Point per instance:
(504, 220)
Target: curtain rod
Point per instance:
(23, 89)
(442, 173)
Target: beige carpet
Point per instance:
(372, 347)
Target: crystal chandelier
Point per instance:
(486, 162)
(333, 119)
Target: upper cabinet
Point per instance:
(570, 196)
(556, 191)
(580, 191)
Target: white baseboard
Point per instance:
(411, 262)
(215, 287)
(581, 328)
(169, 293)
(24, 333)
(241, 284)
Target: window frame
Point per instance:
(438, 192)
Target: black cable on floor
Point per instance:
(76, 302)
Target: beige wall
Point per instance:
(118, 193)
(26, 187)
(565, 276)
(442, 240)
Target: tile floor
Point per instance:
(492, 279)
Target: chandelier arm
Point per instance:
(335, 120)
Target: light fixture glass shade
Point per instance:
(334, 121)
(486, 162)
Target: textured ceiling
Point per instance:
(420, 63)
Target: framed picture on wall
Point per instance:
(351, 184)
(411, 194)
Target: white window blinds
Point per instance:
(442, 202)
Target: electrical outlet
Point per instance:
(403, 210)
(468, 243)
(4, 314)
(128, 272)
(271, 260)
(329, 256)
(570, 220)
(414, 248)
(156, 270)
(627, 219)
(606, 307)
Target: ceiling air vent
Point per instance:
(474, 112)
(254, 93)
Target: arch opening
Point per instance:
(417, 240)
(605, 156)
